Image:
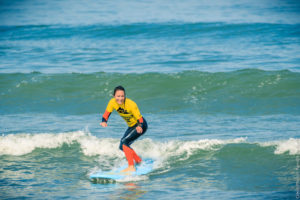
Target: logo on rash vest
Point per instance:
(121, 110)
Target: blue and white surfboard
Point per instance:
(115, 175)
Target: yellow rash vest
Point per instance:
(129, 111)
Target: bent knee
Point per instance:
(121, 145)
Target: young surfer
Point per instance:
(137, 125)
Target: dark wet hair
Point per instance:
(119, 88)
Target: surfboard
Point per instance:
(115, 175)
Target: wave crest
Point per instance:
(21, 144)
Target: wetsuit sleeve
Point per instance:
(108, 111)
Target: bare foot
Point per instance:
(130, 168)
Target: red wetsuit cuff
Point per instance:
(105, 116)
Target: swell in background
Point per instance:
(242, 92)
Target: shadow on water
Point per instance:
(128, 190)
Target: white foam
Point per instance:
(92, 146)
(161, 151)
(21, 144)
(292, 146)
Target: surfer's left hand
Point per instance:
(139, 129)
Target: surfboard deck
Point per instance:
(114, 175)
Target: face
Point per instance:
(120, 96)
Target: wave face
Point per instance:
(243, 92)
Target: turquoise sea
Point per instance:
(217, 81)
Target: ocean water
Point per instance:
(217, 81)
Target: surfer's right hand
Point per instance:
(103, 124)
